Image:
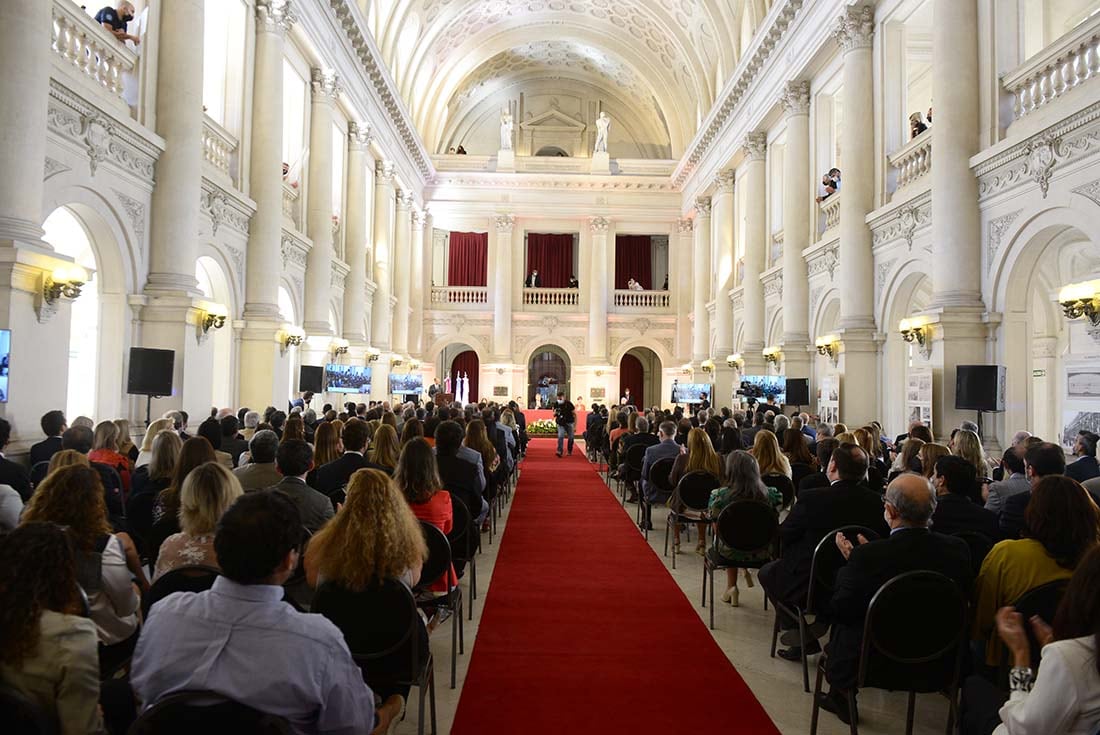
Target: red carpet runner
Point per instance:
(584, 631)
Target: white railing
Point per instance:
(830, 213)
(218, 146)
(913, 160)
(88, 47)
(460, 295)
(551, 296)
(1049, 74)
(625, 298)
(290, 204)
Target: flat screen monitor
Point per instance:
(347, 379)
(762, 386)
(5, 360)
(408, 384)
(691, 392)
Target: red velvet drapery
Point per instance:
(468, 263)
(552, 257)
(634, 259)
(632, 376)
(467, 362)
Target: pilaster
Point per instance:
(325, 86)
(700, 335)
(598, 291)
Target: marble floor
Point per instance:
(743, 633)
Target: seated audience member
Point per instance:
(775, 468)
(908, 459)
(417, 477)
(334, 475)
(954, 479)
(477, 439)
(150, 480)
(846, 502)
(47, 647)
(232, 442)
(876, 470)
(194, 452)
(105, 452)
(1085, 468)
(1041, 459)
(294, 459)
(83, 421)
(207, 492)
(385, 448)
(125, 443)
(741, 475)
(326, 444)
(294, 429)
(211, 431)
(1061, 525)
(909, 504)
(640, 437)
(413, 429)
(261, 471)
(665, 448)
(1014, 482)
(312, 681)
(67, 458)
(700, 457)
(106, 562)
(796, 448)
(53, 426)
(12, 474)
(11, 507)
(929, 454)
(460, 476)
(250, 421)
(151, 431)
(824, 449)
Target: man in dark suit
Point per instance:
(521, 424)
(334, 475)
(232, 442)
(53, 426)
(640, 437)
(13, 474)
(459, 476)
(819, 511)
(534, 280)
(954, 479)
(1040, 460)
(1085, 468)
(294, 459)
(909, 502)
(665, 448)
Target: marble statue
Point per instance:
(505, 130)
(603, 123)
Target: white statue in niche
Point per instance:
(506, 129)
(603, 124)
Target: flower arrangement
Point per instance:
(543, 427)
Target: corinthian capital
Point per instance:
(274, 16)
(755, 146)
(796, 98)
(359, 136)
(384, 171)
(325, 83)
(724, 180)
(599, 225)
(855, 28)
(702, 207)
(505, 223)
(683, 225)
(404, 200)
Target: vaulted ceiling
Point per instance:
(659, 63)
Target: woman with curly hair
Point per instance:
(47, 649)
(385, 448)
(67, 458)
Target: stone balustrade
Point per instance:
(460, 295)
(627, 299)
(219, 148)
(913, 160)
(1065, 64)
(89, 48)
(830, 214)
(551, 296)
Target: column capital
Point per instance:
(755, 146)
(504, 223)
(384, 170)
(404, 200)
(325, 84)
(855, 28)
(684, 225)
(702, 207)
(795, 98)
(599, 225)
(274, 16)
(416, 218)
(359, 136)
(724, 181)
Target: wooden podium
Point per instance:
(443, 398)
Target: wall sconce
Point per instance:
(687, 368)
(916, 329)
(599, 373)
(707, 366)
(735, 360)
(397, 361)
(213, 316)
(772, 355)
(65, 281)
(1080, 300)
(290, 336)
(414, 365)
(373, 355)
(340, 347)
(829, 346)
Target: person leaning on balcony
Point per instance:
(573, 282)
(115, 20)
(916, 124)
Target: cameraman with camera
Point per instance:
(566, 416)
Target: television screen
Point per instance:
(5, 355)
(408, 384)
(691, 392)
(762, 386)
(347, 379)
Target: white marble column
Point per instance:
(680, 283)
(500, 286)
(756, 248)
(326, 88)
(402, 265)
(381, 314)
(700, 335)
(797, 188)
(598, 292)
(722, 241)
(419, 221)
(355, 248)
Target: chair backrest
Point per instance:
(39, 470)
(828, 560)
(635, 457)
(695, 489)
(783, 484)
(1042, 601)
(438, 562)
(748, 525)
(338, 496)
(659, 472)
(194, 578)
(463, 535)
(186, 713)
(23, 716)
(980, 545)
(914, 634)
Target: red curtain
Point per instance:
(552, 257)
(468, 263)
(632, 376)
(634, 259)
(467, 362)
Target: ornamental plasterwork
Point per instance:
(504, 223)
(577, 341)
(385, 170)
(997, 229)
(825, 261)
(53, 167)
(667, 343)
(724, 181)
(576, 182)
(135, 210)
(774, 285)
(220, 208)
(815, 297)
(641, 325)
(550, 323)
(684, 225)
(738, 300)
(1090, 191)
(324, 83)
(359, 135)
(855, 28)
(293, 253)
(755, 146)
(904, 222)
(1041, 155)
(881, 271)
(702, 207)
(237, 256)
(795, 98)
(274, 16)
(599, 225)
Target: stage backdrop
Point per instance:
(634, 259)
(467, 362)
(552, 257)
(632, 376)
(467, 264)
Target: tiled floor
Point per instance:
(743, 633)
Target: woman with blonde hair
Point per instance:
(126, 446)
(67, 458)
(385, 449)
(928, 454)
(157, 426)
(876, 477)
(326, 444)
(765, 449)
(700, 457)
(105, 451)
(908, 460)
(969, 447)
(206, 493)
(194, 452)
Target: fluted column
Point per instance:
(500, 287)
(419, 221)
(722, 241)
(680, 283)
(598, 291)
(381, 317)
(325, 87)
(756, 249)
(355, 248)
(402, 229)
(700, 266)
(797, 187)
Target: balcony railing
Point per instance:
(913, 160)
(1067, 63)
(219, 148)
(830, 214)
(551, 296)
(625, 298)
(90, 49)
(460, 295)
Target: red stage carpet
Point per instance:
(584, 631)
(538, 414)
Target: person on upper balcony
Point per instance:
(115, 20)
(573, 282)
(633, 285)
(534, 280)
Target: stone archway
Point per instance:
(548, 372)
(640, 371)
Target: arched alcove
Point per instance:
(640, 371)
(548, 372)
(215, 287)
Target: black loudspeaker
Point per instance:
(798, 391)
(980, 388)
(150, 372)
(311, 378)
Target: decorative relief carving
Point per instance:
(338, 279)
(825, 262)
(755, 146)
(359, 135)
(774, 285)
(53, 167)
(997, 229)
(881, 271)
(641, 324)
(292, 254)
(683, 225)
(135, 210)
(385, 170)
(72, 118)
(577, 341)
(324, 83)
(504, 223)
(274, 16)
(724, 181)
(667, 343)
(215, 205)
(702, 207)
(1090, 191)
(237, 256)
(599, 225)
(550, 323)
(855, 29)
(907, 219)
(1041, 153)
(795, 98)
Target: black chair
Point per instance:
(979, 544)
(633, 459)
(23, 716)
(695, 489)
(658, 479)
(748, 526)
(139, 520)
(438, 566)
(186, 713)
(339, 496)
(799, 471)
(464, 539)
(385, 635)
(195, 578)
(159, 532)
(783, 484)
(901, 651)
(38, 472)
(827, 561)
(1042, 601)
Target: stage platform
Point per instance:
(534, 414)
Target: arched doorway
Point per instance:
(547, 373)
(461, 360)
(640, 371)
(214, 285)
(552, 151)
(902, 359)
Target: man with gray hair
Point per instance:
(251, 421)
(911, 546)
(969, 426)
(261, 471)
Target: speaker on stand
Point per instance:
(150, 375)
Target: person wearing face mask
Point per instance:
(115, 20)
